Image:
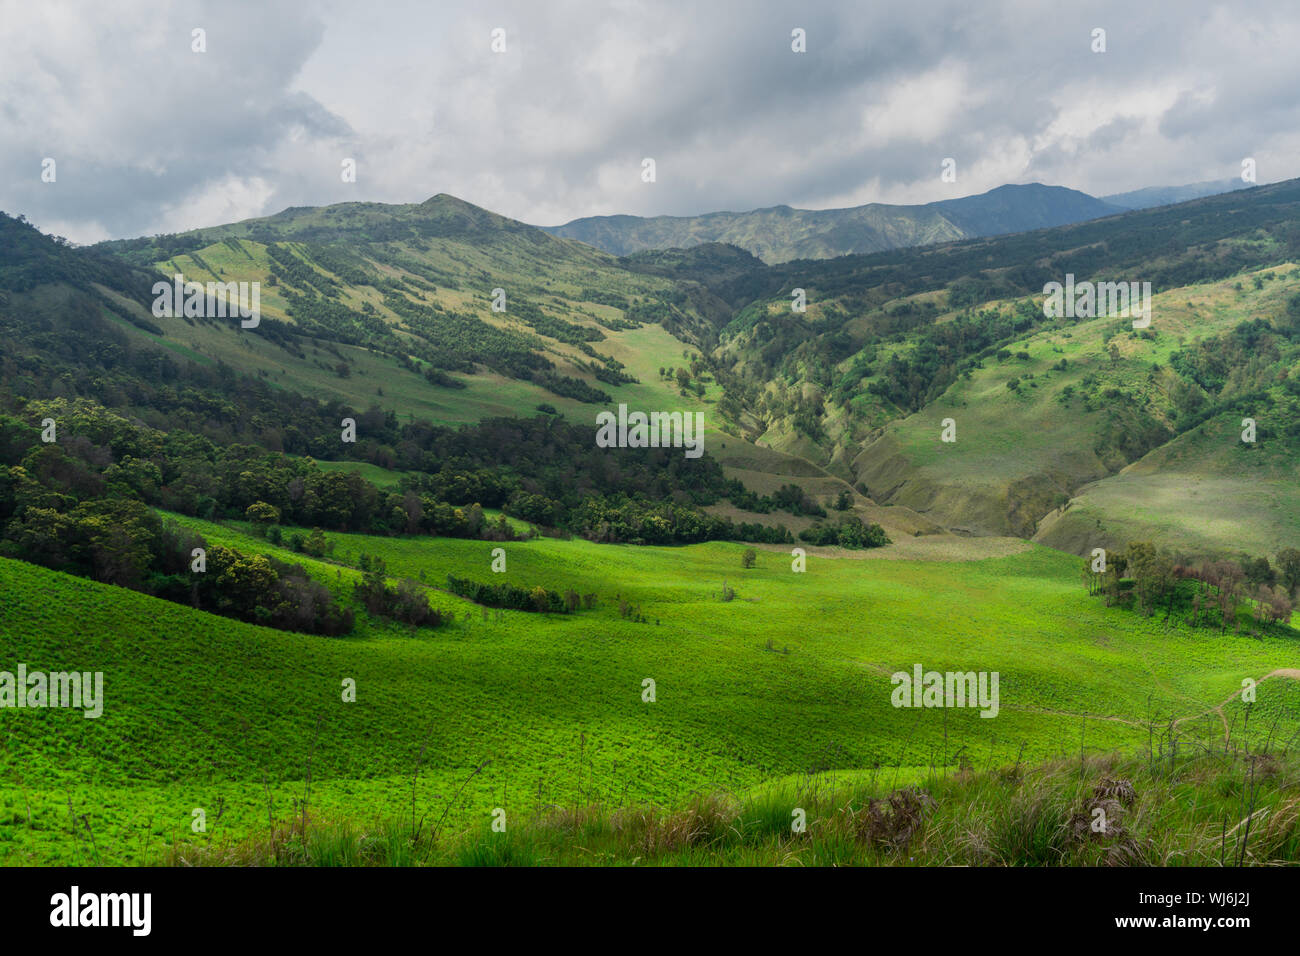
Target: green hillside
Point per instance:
(892, 345)
(790, 677)
(383, 307)
(1077, 414)
(393, 305)
(389, 307)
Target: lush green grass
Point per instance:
(385, 478)
(1222, 807)
(1243, 498)
(206, 712)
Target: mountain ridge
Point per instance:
(782, 233)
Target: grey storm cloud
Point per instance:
(150, 136)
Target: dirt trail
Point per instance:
(1070, 713)
(1292, 673)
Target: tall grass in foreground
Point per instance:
(1220, 808)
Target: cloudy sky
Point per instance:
(149, 136)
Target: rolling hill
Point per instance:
(235, 719)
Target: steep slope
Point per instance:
(1076, 413)
(781, 233)
(1204, 494)
(440, 309)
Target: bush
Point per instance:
(406, 603)
(508, 596)
(851, 532)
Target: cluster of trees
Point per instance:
(549, 472)
(910, 381)
(504, 595)
(566, 386)
(406, 603)
(1148, 579)
(682, 377)
(336, 322)
(642, 521)
(603, 297)
(456, 341)
(553, 326)
(125, 543)
(542, 470)
(849, 532)
(101, 455)
(608, 370)
(288, 268)
(1237, 371)
(788, 497)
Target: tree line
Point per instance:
(125, 543)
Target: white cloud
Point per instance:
(150, 136)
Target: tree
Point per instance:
(247, 586)
(748, 558)
(1153, 575)
(116, 538)
(1258, 571)
(1228, 580)
(1288, 566)
(317, 545)
(41, 535)
(1280, 606)
(262, 514)
(540, 599)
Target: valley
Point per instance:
(823, 432)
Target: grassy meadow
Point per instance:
(787, 685)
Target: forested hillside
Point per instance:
(445, 313)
